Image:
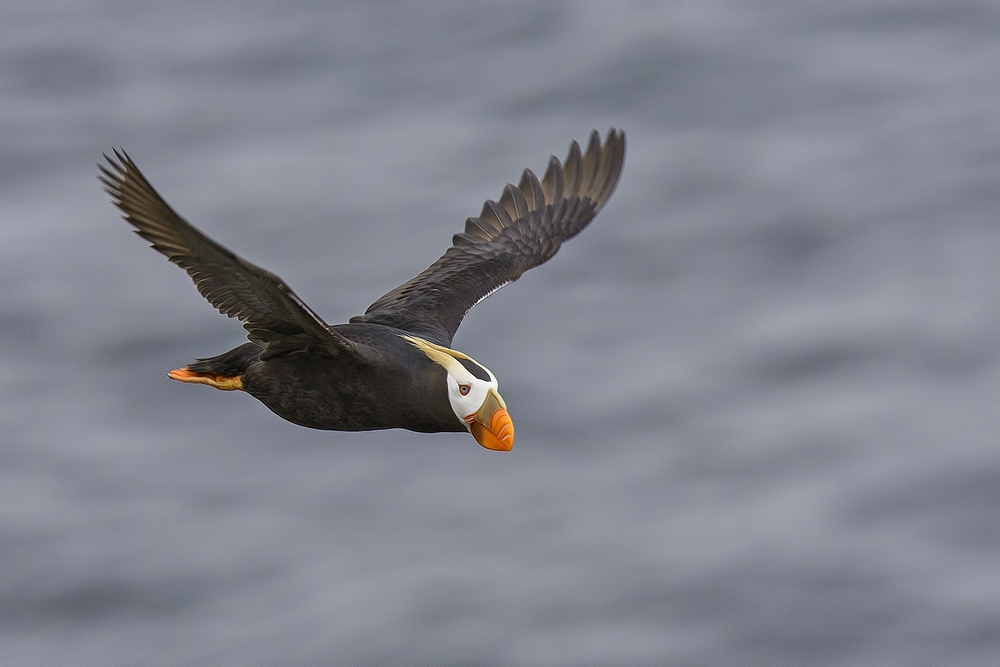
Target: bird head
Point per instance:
(473, 395)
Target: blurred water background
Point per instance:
(756, 400)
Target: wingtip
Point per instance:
(531, 188)
(121, 161)
(613, 158)
(552, 181)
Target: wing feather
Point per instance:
(524, 229)
(273, 315)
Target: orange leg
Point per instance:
(211, 379)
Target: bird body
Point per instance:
(393, 389)
(391, 367)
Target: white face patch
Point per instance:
(466, 391)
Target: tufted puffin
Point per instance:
(392, 367)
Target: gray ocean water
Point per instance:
(756, 400)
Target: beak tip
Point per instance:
(499, 436)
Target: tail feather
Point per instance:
(231, 363)
(223, 371)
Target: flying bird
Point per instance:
(392, 367)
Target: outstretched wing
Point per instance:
(524, 229)
(274, 317)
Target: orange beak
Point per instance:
(491, 425)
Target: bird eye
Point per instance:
(464, 389)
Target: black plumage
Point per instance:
(365, 374)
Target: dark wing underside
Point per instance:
(274, 317)
(524, 229)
